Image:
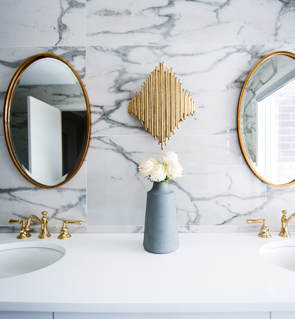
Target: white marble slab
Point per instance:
(19, 199)
(42, 23)
(212, 47)
(213, 75)
(217, 187)
(186, 22)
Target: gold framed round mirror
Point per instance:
(266, 119)
(47, 120)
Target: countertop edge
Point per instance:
(148, 308)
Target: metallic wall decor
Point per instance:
(162, 104)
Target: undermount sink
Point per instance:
(22, 258)
(280, 253)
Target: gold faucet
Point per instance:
(64, 231)
(23, 234)
(43, 221)
(285, 221)
(264, 231)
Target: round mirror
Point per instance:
(47, 120)
(266, 119)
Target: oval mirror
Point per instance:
(266, 119)
(47, 120)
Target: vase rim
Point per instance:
(160, 185)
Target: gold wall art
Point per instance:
(162, 104)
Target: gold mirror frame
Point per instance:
(6, 118)
(283, 53)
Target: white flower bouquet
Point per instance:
(161, 172)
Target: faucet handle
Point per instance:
(264, 231)
(23, 234)
(64, 231)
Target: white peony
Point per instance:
(174, 170)
(146, 167)
(158, 173)
(169, 157)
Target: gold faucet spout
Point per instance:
(44, 225)
(28, 224)
(290, 218)
(285, 221)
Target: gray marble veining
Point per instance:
(42, 23)
(19, 198)
(213, 74)
(187, 22)
(114, 45)
(217, 188)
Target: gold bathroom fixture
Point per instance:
(264, 231)
(43, 222)
(64, 231)
(285, 221)
(23, 234)
(162, 104)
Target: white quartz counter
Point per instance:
(113, 273)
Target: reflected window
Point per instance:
(276, 133)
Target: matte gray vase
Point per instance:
(160, 232)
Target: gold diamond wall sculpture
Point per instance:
(162, 104)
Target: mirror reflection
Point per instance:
(48, 121)
(267, 119)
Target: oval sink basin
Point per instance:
(22, 258)
(280, 253)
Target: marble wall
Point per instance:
(114, 45)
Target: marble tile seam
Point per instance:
(42, 46)
(149, 44)
(190, 43)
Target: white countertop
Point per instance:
(209, 272)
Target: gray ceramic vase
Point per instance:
(160, 232)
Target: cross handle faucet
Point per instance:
(43, 222)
